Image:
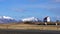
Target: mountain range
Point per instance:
(6, 19)
(33, 19)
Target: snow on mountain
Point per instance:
(6, 19)
(30, 19)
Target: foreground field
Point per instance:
(29, 27)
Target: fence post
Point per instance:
(45, 23)
(56, 24)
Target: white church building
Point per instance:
(47, 19)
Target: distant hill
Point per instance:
(32, 19)
(6, 19)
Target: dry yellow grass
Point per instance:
(29, 26)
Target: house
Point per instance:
(46, 19)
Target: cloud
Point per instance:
(56, 0)
(51, 8)
(58, 17)
(18, 9)
(42, 6)
(32, 0)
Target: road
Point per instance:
(29, 32)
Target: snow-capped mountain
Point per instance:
(6, 19)
(33, 19)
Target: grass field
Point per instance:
(29, 26)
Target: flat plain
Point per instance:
(29, 27)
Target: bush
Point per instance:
(28, 22)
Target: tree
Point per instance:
(28, 22)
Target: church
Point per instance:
(46, 19)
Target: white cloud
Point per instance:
(33, 0)
(18, 9)
(56, 0)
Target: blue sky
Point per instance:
(19, 9)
